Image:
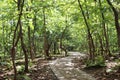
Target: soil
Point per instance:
(42, 71)
(39, 71)
(98, 72)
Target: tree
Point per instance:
(107, 51)
(90, 39)
(116, 19)
(20, 5)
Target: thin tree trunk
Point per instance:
(15, 41)
(21, 37)
(24, 48)
(13, 62)
(33, 39)
(101, 45)
(90, 39)
(30, 44)
(61, 39)
(46, 51)
(116, 19)
(54, 47)
(3, 39)
(104, 30)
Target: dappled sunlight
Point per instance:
(59, 39)
(65, 70)
(69, 64)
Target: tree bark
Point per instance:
(15, 41)
(61, 39)
(46, 50)
(116, 19)
(90, 39)
(107, 51)
(30, 50)
(33, 38)
(101, 45)
(22, 40)
(24, 48)
(54, 47)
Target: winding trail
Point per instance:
(64, 68)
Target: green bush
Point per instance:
(98, 61)
(23, 77)
(20, 69)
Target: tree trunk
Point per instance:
(101, 45)
(13, 62)
(61, 39)
(15, 41)
(107, 51)
(116, 19)
(90, 39)
(33, 39)
(24, 48)
(30, 50)
(46, 50)
(54, 47)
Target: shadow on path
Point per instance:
(64, 68)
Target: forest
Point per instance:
(46, 39)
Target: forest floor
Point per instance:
(63, 68)
(108, 72)
(42, 71)
(73, 68)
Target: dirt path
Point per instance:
(64, 68)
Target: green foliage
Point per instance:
(6, 64)
(20, 69)
(30, 64)
(97, 62)
(58, 15)
(23, 77)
